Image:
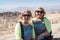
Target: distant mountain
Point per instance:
(4, 10)
(23, 8)
(50, 9)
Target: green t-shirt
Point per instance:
(18, 33)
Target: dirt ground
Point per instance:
(7, 31)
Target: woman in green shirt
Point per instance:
(41, 24)
(24, 30)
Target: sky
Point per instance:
(9, 4)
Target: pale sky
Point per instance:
(9, 4)
(28, 3)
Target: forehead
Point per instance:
(25, 13)
(39, 10)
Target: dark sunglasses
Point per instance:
(40, 12)
(28, 15)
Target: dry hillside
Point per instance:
(8, 21)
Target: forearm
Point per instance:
(44, 33)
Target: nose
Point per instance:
(39, 13)
(26, 17)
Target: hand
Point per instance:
(38, 37)
(44, 33)
(33, 39)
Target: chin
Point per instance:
(38, 16)
(26, 20)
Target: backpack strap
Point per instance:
(22, 30)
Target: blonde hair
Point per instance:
(26, 11)
(39, 8)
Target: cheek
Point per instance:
(23, 18)
(36, 14)
(42, 14)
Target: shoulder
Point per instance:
(46, 19)
(17, 24)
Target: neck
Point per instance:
(25, 22)
(39, 19)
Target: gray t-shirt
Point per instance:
(39, 27)
(27, 31)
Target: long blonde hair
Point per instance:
(39, 8)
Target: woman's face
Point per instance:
(26, 17)
(39, 14)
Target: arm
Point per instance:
(33, 34)
(47, 24)
(45, 33)
(18, 32)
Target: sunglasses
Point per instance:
(40, 12)
(28, 15)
